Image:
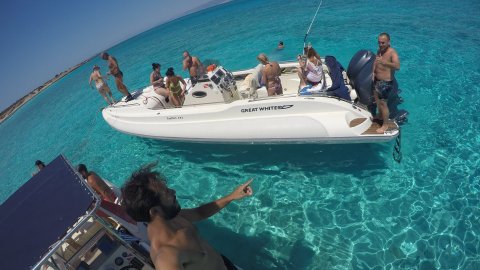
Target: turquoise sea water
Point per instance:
(315, 206)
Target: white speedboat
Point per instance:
(225, 107)
(55, 221)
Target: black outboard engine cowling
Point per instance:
(360, 73)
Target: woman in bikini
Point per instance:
(101, 85)
(271, 75)
(177, 92)
(156, 80)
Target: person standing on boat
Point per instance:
(271, 75)
(157, 81)
(97, 184)
(386, 63)
(101, 85)
(175, 242)
(118, 74)
(194, 66)
(177, 92)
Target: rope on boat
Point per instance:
(311, 23)
(397, 149)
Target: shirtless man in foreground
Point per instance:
(118, 74)
(386, 63)
(175, 242)
(194, 66)
(97, 184)
(101, 84)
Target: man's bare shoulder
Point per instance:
(391, 51)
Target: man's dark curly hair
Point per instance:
(140, 193)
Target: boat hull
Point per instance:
(285, 119)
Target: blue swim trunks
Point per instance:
(383, 88)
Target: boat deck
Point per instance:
(372, 130)
(289, 78)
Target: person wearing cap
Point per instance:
(101, 85)
(271, 75)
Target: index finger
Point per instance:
(248, 182)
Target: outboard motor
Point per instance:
(360, 73)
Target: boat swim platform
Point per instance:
(372, 130)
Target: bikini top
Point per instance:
(157, 77)
(175, 87)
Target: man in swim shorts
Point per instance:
(194, 66)
(175, 242)
(101, 85)
(386, 63)
(118, 74)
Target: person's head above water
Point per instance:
(95, 67)
(146, 194)
(40, 165)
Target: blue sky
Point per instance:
(42, 38)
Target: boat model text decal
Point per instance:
(267, 108)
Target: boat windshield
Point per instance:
(217, 77)
(87, 248)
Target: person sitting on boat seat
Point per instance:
(177, 92)
(174, 241)
(271, 75)
(311, 70)
(158, 83)
(97, 184)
